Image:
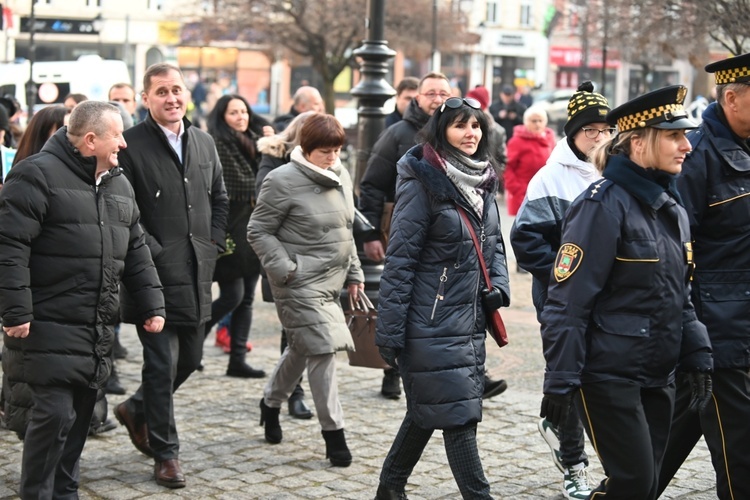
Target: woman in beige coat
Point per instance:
(301, 229)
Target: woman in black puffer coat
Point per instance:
(431, 322)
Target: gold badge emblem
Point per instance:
(681, 93)
(569, 258)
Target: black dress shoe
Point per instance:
(493, 388)
(298, 408)
(168, 473)
(244, 371)
(384, 493)
(114, 386)
(105, 426)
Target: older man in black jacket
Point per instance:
(69, 233)
(715, 187)
(176, 175)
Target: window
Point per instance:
(491, 12)
(527, 20)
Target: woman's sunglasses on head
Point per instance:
(457, 102)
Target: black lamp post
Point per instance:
(30, 85)
(372, 90)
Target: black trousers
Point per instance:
(628, 426)
(169, 357)
(236, 297)
(725, 425)
(55, 436)
(460, 447)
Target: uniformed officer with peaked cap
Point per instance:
(618, 321)
(715, 188)
(661, 109)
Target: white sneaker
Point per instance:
(576, 482)
(549, 433)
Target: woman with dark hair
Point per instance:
(433, 296)
(41, 127)
(302, 232)
(237, 273)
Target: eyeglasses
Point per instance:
(434, 95)
(457, 102)
(593, 133)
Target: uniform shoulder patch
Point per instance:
(569, 258)
(597, 189)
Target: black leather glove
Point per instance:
(389, 355)
(492, 299)
(700, 389)
(556, 407)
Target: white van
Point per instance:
(89, 75)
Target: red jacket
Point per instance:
(527, 153)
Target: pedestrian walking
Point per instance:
(378, 189)
(301, 229)
(277, 150)
(535, 237)
(237, 273)
(431, 322)
(306, 98)
(714, 185)
(69, 232)
(618, 320)
(176, 175)
(406, 91)
(507, 110)
(528, 150)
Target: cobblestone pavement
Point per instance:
(224, 455)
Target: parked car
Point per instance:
(555, 103)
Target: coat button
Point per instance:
(643, 330)
(326, 229)
(185, 179)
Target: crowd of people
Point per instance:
(633, 227)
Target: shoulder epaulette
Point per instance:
(596, 190)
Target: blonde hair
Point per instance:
(623, 143)
(281, 144)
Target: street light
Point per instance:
(372, 90)
(30, 85)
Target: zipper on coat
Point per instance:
(440, 292)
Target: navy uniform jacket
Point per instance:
(619, 306)
(715, 185)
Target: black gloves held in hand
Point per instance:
(492, 299)
(700, 389)
(389, 355)
(556, 407)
